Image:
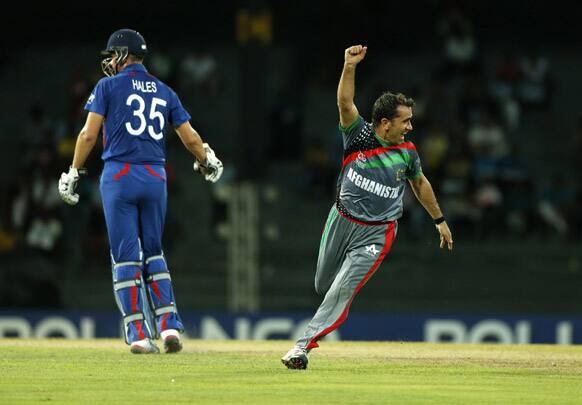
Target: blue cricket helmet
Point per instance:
(122, 43)
(128, 39)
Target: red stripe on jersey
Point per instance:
(377, 151)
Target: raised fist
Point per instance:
(355, 54)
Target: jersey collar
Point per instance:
(382, 141)
(134, 67)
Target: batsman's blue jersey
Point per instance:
(137, 108)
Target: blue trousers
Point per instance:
(134, 198)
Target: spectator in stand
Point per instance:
(459, 44)
(199, 70)
(535, 86)
(488, 134)
(507, 74)
(489, 200)
(45, 229)
(457, 190)
(506, 77)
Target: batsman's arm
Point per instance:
(424, 193)
(346, 87)
(86, 139)
(192, 141)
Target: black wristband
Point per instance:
(439, 220)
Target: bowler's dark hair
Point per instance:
(385, 106)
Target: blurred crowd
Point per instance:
(467, 119)
(468, 128)
(41, 238)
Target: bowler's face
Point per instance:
(400, 125)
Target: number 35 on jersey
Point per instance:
(140, 108)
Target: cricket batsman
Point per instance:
(134, 110)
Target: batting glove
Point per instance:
(212, 168)
(67, 185)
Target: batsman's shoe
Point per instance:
(172, 342)
(296, 358)
(144, 346)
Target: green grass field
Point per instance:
(247, 372)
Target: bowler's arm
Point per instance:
(345, 96)
(346, 87)
(425, 195)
